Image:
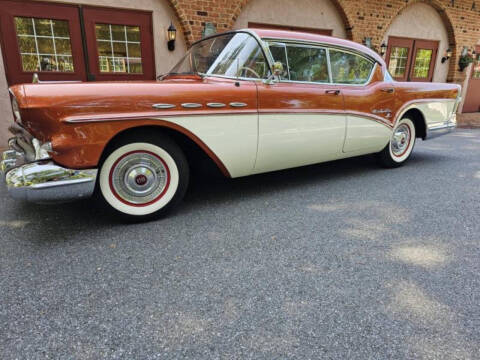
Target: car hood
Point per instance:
(45, 105)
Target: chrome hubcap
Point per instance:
(139, 178)
(401, 140)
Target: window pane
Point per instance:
(135, 66)
(24, 26)
(60, 28)
(30, 62)
(39, 45)
(398, 61)
(133, 33)
(45, 46)
(422, 63)
(307, 64)
(118, 48)
(27, 44)
(43, 27)
(48, 63)
(65, 63)
(104, 48)
(349, 68)
(102, 32)
(134, 50)
(63, 47)
(118, 32)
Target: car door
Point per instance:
(370, 101)
(301, 116)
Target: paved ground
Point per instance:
(335, 261)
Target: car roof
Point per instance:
(310, 37)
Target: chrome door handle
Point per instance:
(332, 92)
(389, 90)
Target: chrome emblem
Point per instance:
(163, 106)
(141, 180)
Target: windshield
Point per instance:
(234, 55)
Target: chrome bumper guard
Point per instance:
(43, 181)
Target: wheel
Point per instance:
(400, 146)
(143, 177)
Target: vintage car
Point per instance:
(252, 101)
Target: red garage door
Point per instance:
(67, 42)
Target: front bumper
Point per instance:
(43, 181)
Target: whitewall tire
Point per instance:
(143, 178)
(400, 146)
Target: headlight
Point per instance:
(16, 110)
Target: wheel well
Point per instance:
(418, 120)
(197, 158)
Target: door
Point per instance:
(369, 102)
(301, 117)
(472, 99)
(411, 59)
(41, 38)
(51, 40)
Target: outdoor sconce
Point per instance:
(172, 36)
(383, 49)
(448, 55)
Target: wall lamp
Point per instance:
(448, 55)
(171, 36)
(383, 49)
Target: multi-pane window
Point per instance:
(119, 48)
(301, 63)
(348, 68)
(411, 59)
(398, 61)
(44, 44)
(423, 59)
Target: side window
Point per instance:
(301, 63)
(307, 64)
(349, 68)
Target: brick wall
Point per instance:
(362, 18)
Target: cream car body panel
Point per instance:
(435, 112)
(232, 138)
(289, 140)
(365, 135)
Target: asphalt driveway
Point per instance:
(336, 261)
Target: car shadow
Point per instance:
(210, 189)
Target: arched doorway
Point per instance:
(320, 16)
(417, 40)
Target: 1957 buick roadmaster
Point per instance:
(253, 101)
